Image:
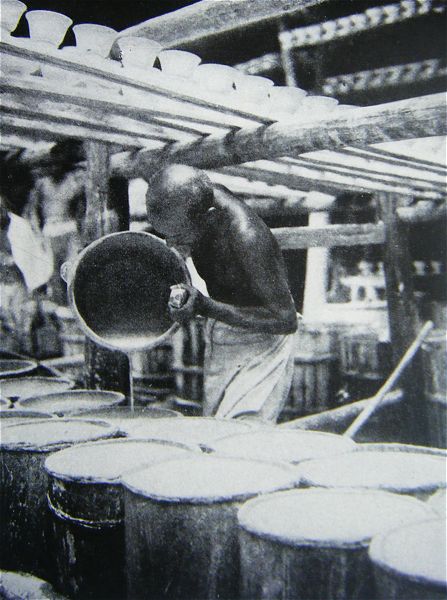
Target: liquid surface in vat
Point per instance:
(22, 387)
(108, 461)
(438, 502)
(289, 446)
(193, 430)
(65, 402)
(387, 470)
(207, 478)
(330, 516)
(53, 432)
(417, 550)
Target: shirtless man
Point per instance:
(250, 312)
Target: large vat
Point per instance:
(194, 430)
(24, 512)
(22, 586)
(85, 499)
(23, 387)
(282, 445)
(72, 402)
(304, 544)
(120, 416)
(416, 473)
(181, 529)
(410, 562)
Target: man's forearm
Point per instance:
(253, 318)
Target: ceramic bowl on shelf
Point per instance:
(178, 63)
(10, 14)
(216, 78)
(284, 101)
(138, 52)
(47, 26)
(97, 39)
(252, 88)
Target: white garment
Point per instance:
(31, 252)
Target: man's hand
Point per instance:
(184, 303)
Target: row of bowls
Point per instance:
(180, 70)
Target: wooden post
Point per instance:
(403, 316)
(287, 61)
(105, 369)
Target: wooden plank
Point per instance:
(63, 112)
(310, 176)
(343, 27)
(166, 98)
(51, 130)
(105, 369)
(331, 162)
(300, 238)
(403, 314)
(411, 118)
(207, 19)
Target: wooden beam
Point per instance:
(307, 177)
(48, 129)
(261, 64)
(371, 19)
(411, 118)
(300, 238)
(403, 314)
(396, 75)
(105, 369)
(208, 19)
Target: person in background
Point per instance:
(250, 312)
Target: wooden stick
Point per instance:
(335, 419)
(390, 382)
(295, 238)
(414, 117)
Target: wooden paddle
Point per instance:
(377, 399)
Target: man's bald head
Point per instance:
(179, 191)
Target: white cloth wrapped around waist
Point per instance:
(246, 372)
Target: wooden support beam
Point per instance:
(411, 118)
(287, 62)
(403, 315)
(208, 19)
(370, 19)
(384, 77)
(300, 238)
(105, 369)
(261, 64)
(50, 129)
(311, 177)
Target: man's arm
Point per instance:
(260, 263)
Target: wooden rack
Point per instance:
(130, 136)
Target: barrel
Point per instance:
(438, 502)
(24, 387)
(181, 527)
(304, 544)
(24, 511)
(71, 335)
(153, 378)
(403, 472)
(85, 499)
(120, 416)
(435, 363)
(23, 586)
(189, 430)
(188, 358)
(312, 384)
(410, 562)
(14, 415)
(282, 445)
(72, 402)
(11, 367)
(4, 404)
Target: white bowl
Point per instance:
(253, 88)
(215, 77)
(97, 39)
(138, 52)
(10, 14)
(285, 99)
(47, 26)
(178, 63)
